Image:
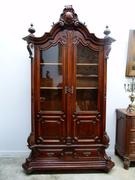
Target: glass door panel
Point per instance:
(51, 79)
(86, 79)
(87, 69)
(52, 55)
(86, 100)
(86, 55)
(51, 99)
(83, 81)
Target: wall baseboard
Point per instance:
(14, 153)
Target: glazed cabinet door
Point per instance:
(51, 96)
(86, 116)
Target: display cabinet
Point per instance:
(68, 74)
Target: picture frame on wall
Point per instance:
(130, 67)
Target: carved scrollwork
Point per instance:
(106, 139)
(97, 139)
(40, 140)
(107, 51)
(30, 48)
(31, 140)
(98, 117)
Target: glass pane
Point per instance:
(83, 81)
(51, 75)
(86, 99)
(86, 79)
(87, 69)
(51, 99)
(51, 79)
(86, 55)
(51, 55)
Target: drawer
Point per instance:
(132, 148)
(86, 154)
(132, 136)
(133, 123)
(48, 153)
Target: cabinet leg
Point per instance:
(116, 153)
(126, 163)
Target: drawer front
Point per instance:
(90, 154)
(132, 148)
(47, 153)
(132, 136)
(133, 123)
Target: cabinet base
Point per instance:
(64, 166)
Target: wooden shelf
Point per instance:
(91, 75)
(94, 87)
(51, 88)
(50, 63)
(87, 64)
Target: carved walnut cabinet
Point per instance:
(68, 73)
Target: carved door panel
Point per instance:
(86, 111)
(51, 116)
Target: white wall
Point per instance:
(15, 17)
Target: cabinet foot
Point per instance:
(126, 163)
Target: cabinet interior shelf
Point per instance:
(91, 75)
(93, 87)
(50, 63)
(50, 87)
(87, 64)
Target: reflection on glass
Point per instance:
(51, 79)
(51, 55)
(86, 55)
(86, 100)
(51, 99)
(51, 75)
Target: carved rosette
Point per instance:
(68, 16)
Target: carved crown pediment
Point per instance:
(68, 16)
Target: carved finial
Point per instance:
(68, 16)
(107, 31)
(31, 30)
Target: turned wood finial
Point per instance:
(107, 31)
(31, 30)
